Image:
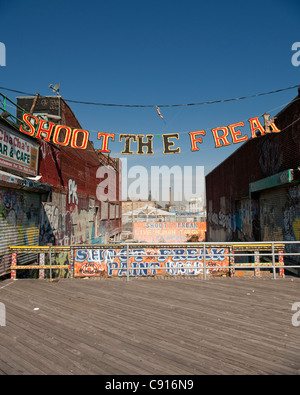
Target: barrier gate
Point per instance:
(141, 260)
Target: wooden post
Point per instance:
(34, 103)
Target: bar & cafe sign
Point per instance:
(18, 153)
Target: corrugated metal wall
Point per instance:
(19, 223)
(280, 214)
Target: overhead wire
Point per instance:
(162, 105)
(177, 105)
(244, 120)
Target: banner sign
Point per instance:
(150, 261)
(78, 138)
(168, 232)
(17, 153)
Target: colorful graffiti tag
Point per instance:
(19, 222)
(148, 261)
(68, 219)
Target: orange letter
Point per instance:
(256, 125)
(56, 135)
(221, 138)
(31, 126)
(84, 141)
(47, 131)
(194, 140)
(105, 136)
(234, 133)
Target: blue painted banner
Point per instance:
(148, 261)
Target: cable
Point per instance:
(183, 132)
(186, 132)
(291, 124)
(162, 105)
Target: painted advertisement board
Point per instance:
(18, 153)
(168, 232)
(148, 261)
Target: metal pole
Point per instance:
(273, 258)
(50, 263)
(127, 252)
(204, 261)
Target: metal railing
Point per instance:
(6, 113)
(172, 259)
(38, 255)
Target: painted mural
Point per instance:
(148, 261)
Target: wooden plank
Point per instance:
(150, 326)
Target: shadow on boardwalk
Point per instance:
(150, 326)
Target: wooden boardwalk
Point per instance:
(150, 327)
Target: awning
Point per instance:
(279, 179)
(29, 184)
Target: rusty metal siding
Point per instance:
(256, 159)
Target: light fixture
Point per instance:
(51, 116)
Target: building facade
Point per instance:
(254, 195)
(74, 214)
(21, 196)
(131, 205)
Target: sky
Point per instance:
(155, 53)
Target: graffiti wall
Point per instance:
(274, 215)
(291, 214)
(69, 219)
(19, 222)
(148, 261)
(241, 225)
